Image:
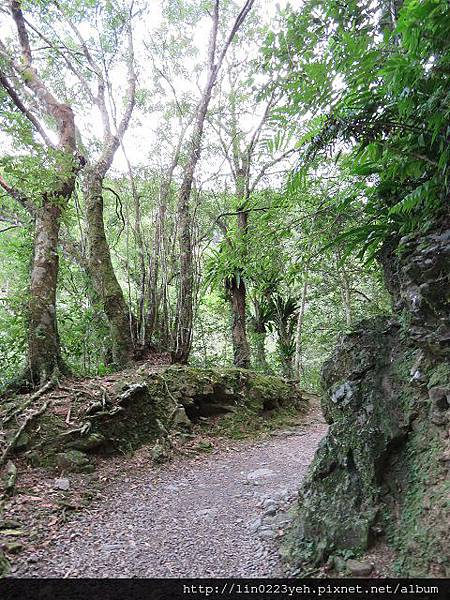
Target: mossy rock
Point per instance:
(179, 396)
(88, 443)
(377, 460)
(439, 375)
(73, 461)
(142, 408)
(382, 469)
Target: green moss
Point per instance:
(404, 318)
(416, 541)
(439, 375)
(206, 447)
(248, 422)
(4, 565)
(379, 461)
(403, 365)
(141, 408)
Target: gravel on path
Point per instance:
(202, 518)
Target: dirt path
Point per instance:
(217, 516)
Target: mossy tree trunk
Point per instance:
(241, 348)
(236, 287)
(185, 301)
(99, 256)
(44, 353)
(102, 272)
(298, 357)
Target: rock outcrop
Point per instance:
(382, 471)
(136, 407)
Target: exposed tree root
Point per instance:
(28, 420)
(131, 408)
(29, 401)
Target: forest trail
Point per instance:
(217, 515)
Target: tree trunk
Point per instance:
(157, 296)
(99, 256)
(298, 357)
(259, 335)
(344, 289)
(237, 289)
(185, 308)
(241, 170)
(346, 298)
(103, 276)
(153, 277)
(183, 339)
(44, 354)
(157, 314)
(241, 349)
(141, 255)
(285, 339)
(261, 357)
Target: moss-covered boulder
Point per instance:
(382, 471)
(73, 461)
(138, 407)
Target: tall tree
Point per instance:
(184, 315)
(168, 52)
(100, 264)
(92, 70)
(249, 162)
(44, 352)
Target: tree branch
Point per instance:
(130, 96)
(69, 64)
(268, 165)
(18, 196)
(10, 227)
(213, 37)
(246, 210)
(113, 141)
(23, 109)
(62, 113)
(237, 24)
(257, 133)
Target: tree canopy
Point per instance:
(229, 182)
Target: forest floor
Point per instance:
(211, 514)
